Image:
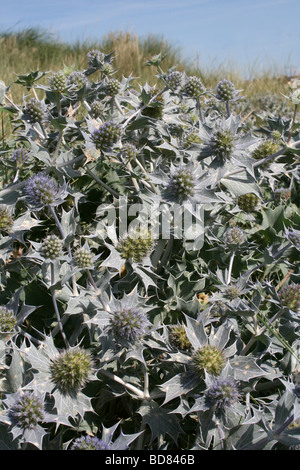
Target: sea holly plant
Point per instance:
(149, 264)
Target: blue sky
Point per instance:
(247, 33)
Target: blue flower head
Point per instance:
(41, 190)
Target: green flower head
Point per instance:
(71, 370)
(209, 358)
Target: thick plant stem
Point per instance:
(58, 224)
(104, 185)
(146, 382)
(56, 308)
(139, 394)
(230, 267)
(199, 108)
(228, 109)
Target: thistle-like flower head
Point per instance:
(136, 245)
(41, 190)
(234, 236)
(174, 80)
(6, 220)
(129, 151)
(179, 337)
(290, 296)
(27, 411)
(58, 81)
(113, 87)
(35, 111)
(265, 149)
(225, 90)
(71, 370)
(128, 320)
(51, 247)
(77, 80)
(8, 320)
(193, 86)
(95, 58)
(186, 183)
(224, 141)
(83, 258)
(105, 136)
(90, 443)
(97, 109)
(129, 324)
(248, 202)
(222, 144)
(223, 392)
(182, 184)
(209, 358)
(233, 292)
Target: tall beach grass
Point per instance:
(34, 49)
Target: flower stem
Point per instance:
(228, 109)
(104, 185)
(200, 110)
(139, 394)
(230, 267)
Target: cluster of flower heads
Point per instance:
(174, 80)
(222, 144)
(182, 184)
(248, 202)
(51, 247)
(123, 324)
(209, 358)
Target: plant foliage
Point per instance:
(149, 277)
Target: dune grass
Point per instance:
(34, 49)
